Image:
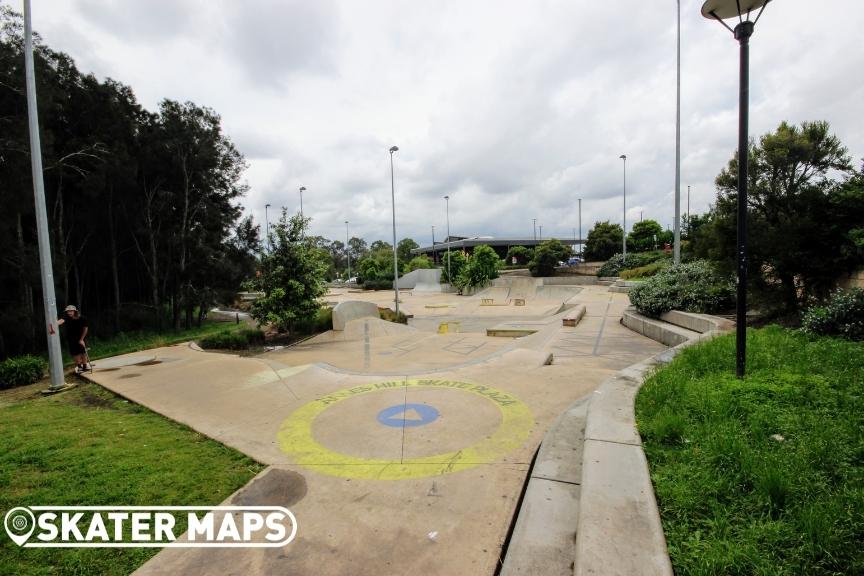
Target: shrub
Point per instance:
(252, 335)
(644, 271)
(21, 370)
(390, 316)
(616, 264)
(482, 267)
(322, 322)
(378, 283)
(842, 315)
(546, 257)
(225, 341)
(691, 287)
(421, 262)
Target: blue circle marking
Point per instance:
(407, 415)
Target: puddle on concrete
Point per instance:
(275, 487)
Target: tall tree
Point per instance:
(604, 241)
(292, 277)
(799, 216)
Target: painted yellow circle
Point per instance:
(295, 436)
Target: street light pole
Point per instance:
(395, 257)
(434, 258)
(720, 10)
(267, 225)
(580, 229)
(348, 250)
(302, 189)
(449, 278)
(535, 229)
(676, 253)
(624, 241)
(49, 301)
(541, 233)
(688, 211)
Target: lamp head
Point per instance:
(623, 156)
(446, 197)
(266, 205)
(302, 188)
(725, 9)
(394, 149)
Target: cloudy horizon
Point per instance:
(513, 113)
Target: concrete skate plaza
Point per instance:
(390, 433)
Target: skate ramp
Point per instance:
(421, 281)
(344, 312)
(427, 281)
(361, 329)
(506, 290)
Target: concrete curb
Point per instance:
(599, 482)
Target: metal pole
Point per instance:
(624, 240)
(541, 233)
(580, 229)
(301, 200)
(449, 278)
(743, 31)
(676, 258)
(535, 229)
(395, 258)
(688, 211)
(434, 258)
(348, 249)
(49, 301)
(267, 226)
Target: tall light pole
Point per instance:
(434, 258)
(447, 208)
(395, 257)
(676, 252)
(49, 300)
(624, 241)
(302, 189)
(348, 250)
(720, 10)
(541, 233)
(535, 228)
(580, 229)
(688, 211)
(267, 225)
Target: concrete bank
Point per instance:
(589, 506)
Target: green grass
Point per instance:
(90, 447)
(734, 500)
(126, 342)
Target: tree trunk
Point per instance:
(26, 294)
(115, 273)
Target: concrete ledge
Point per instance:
(349, 310)
(700, 323)
(573, 316)
(619, 529)
(663, 332)
(543, 540)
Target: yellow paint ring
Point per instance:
(296, 440)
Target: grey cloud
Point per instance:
(273, 39)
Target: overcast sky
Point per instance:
(514, 109)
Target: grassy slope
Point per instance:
(89, 447)
(733, 499)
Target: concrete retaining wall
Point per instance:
(591, 482)
(349, 310)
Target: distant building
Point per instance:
(500, 245)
